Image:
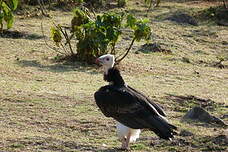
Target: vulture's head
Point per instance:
(107, 61)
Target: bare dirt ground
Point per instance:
(49, 106)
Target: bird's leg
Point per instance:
(123, 146)
(128, 140)
(125, 141)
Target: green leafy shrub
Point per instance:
(6, 13)
(98, 36)
(95, 37)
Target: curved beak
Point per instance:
(97, 61)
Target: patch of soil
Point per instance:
(153, 47)
(205, 143)
(218, 64)
(180, 142)
(183, 18)
(50, 144)
(211, 143)
(26, 11)
(218, 14)
(190, 101)
(185, 133)
(175, 142)
(64, 5)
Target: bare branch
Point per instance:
(119, 60)
(68, 42)
(65, 50)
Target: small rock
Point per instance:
(186, 60)
(153, 47)
(183, 18)
(39, 80)
(196, 72)
(104, 145)
(198, 113)
(185, 133)
(137, 52)
(127, 38)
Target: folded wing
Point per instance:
(133, 109)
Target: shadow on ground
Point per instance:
(178, 16)
(59, 67)
(20, 35)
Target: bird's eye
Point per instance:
(107, 59)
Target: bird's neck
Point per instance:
(113, 77)
(106, 70)
(107, 67)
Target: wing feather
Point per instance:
(156, 106)
(123, 103)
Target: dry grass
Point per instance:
(49, 106)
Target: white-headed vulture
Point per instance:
(131, 108)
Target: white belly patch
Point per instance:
(122, 132)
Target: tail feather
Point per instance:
(164, 129)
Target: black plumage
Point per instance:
(130, 107)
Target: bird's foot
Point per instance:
(124, 145)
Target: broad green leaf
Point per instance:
(8, 17)
(12, 4)
(131, 20)
(10, 23)
(1, 15)
(5, 8)
(15, 4)
(9, 20)
(56, 35)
